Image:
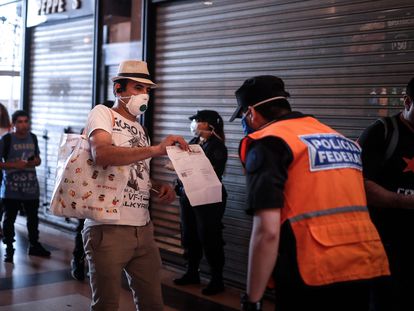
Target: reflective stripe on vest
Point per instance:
(325, 203)
(337, 210)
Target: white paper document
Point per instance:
(195, 171)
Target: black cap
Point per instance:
(210, 116)
(257, 89)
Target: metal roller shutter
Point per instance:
(346, 62)
(60, 88)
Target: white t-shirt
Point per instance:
(130, 134)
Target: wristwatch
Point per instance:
(247, 305)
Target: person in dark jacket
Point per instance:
(201, 226)
(388, 163)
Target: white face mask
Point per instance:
(137, 104)
(193, 128)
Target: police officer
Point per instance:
(201, 226)
(311, 227)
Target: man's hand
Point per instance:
(19, 164)
(165, 193)
(172, 140)
(33, 162)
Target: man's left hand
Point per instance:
(166, 193)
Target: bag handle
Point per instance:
(112, 118)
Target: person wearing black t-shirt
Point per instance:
(389, 184)
(201, 226)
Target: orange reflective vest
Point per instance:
(325, 203)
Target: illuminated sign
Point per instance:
(56, 6)
(42, 11)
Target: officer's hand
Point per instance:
(172, 140)
(165, 193)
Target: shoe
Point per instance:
(38, 250)
(188, 279)
(213, 288)
(77, 269)
(8, 257)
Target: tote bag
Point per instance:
(83, 189)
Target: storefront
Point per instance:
(11, 23)
(346, 62)
(59, 73)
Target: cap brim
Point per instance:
(145, 81)
(193, 117)
(236, 114)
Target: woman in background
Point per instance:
(201, 226)
(4, 120)
(4, 128)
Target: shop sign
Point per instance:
(41, 11)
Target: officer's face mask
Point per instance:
(247, 129)
(137, 104)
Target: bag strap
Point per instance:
(6, 145)
(391, 135)
(36, 144)
(112, 118)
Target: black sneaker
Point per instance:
(8, 257)
(188, 279)
(38, 250)
(213, 288)
(77, 269)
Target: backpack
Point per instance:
(391, 135)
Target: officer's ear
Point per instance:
(256, 118)
(253, 112)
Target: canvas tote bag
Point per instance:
(83, 189)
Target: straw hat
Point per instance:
(136, 70)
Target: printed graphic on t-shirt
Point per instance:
(410, 165)
(136, 193)
(332, 151)
(405, 191)
(139, 169)
(121, 125)
(20, 183)
(136, 199)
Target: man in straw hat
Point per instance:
(117, 138)
(311, 227)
